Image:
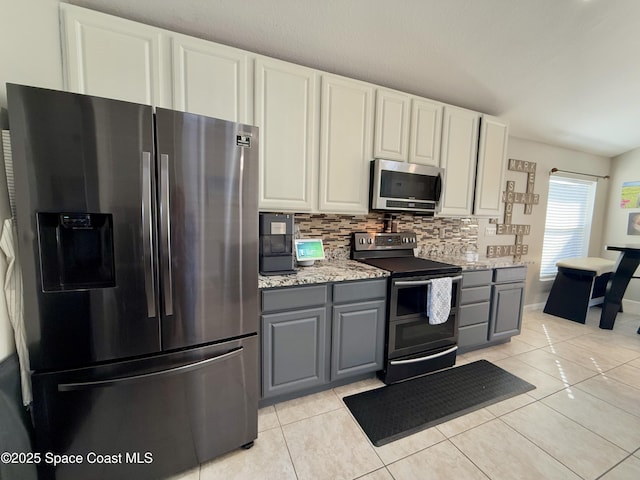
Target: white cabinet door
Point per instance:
(459, 152)
(112, 57)
(286, 110)
(391, 125)
(426, 132)
(492, 161)
(210, 79)
(345, 145)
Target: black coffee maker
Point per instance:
(276, 244)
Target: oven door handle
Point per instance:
(422, 359)
(403, 283)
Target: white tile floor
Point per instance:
(582, 420)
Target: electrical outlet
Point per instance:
(490, 231)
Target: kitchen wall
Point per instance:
(29, 54)
(546, 158)
(624, 168)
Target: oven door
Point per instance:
(409, 329)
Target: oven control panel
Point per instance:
(383, 241)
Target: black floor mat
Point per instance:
(395, 411)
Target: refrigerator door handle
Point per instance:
(165, 225)
(147, 235)
(122, 381)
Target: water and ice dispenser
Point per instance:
(76, 251)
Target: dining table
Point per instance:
(624, 270)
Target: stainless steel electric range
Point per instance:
(413, 346)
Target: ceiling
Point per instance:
(562, 72)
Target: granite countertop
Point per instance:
(339, 270)
(323, 271)
(482, 263)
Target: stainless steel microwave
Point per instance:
(405, 187)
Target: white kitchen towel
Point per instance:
(439, 300)
(14, 304)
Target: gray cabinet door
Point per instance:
(506, 310)
(357, 338)
(294, 346)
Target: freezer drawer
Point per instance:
(153, 417)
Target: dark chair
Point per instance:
(580, 283)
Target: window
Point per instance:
(568, 224)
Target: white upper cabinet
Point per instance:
(112, 57)
(210, 79)
(318, 131)
(286, 111)
(426, 131)
(407, 128)
(458, 158)
(391, 137)
(492, 161)
(346, 145)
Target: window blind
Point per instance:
(568, 223)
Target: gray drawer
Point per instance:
(475, 295)
(473, 335)
(294, 297)
(475, 313)
(509, 274)
(475, 278)
(360, 290)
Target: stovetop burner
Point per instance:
(394, 252)
(411, 266)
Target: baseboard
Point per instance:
(631, 306)
(534, 306)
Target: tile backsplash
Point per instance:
(436, 235)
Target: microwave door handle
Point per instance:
(438, 187)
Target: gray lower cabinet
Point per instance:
(506, 310)
(318, 334)
(357, 338)
(475, 303)
(491, 305)
(294, 350)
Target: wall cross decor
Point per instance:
(511, 197)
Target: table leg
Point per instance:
(625, 267)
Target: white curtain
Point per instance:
(12, 286)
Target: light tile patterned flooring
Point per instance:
(582, 420)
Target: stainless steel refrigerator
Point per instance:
(139, 249)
